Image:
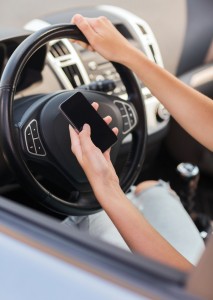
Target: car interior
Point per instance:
(40, 68)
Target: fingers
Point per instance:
(87, 129)
(102, 37)
(107, 152)
(75, 144)
(81, 142)
(73, 135)
(107, 119)
(95, 105)
(82, 44)
(85, 139)
(84, 26)
(115, 130)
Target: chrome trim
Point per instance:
(33, 139)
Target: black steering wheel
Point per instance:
(35, 139)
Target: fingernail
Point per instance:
(78, 17)
(70, 128)
(86, 127)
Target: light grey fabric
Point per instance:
(98, 225)
(162, 208)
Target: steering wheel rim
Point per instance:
(11, 152)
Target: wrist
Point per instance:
(132, 57)
(107, 191)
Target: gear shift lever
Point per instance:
(189, 175)
(188, 181)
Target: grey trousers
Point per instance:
(162, 208)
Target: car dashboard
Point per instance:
(64, 65)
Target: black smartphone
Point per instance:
(79, 111)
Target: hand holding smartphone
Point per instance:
(79, 111)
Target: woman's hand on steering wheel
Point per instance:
(103, 37)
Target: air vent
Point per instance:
(73, 74)
(153, 52)
(59, 49)
(142, 29)
(149, 41)
(66, 63)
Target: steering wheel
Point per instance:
(35, 139)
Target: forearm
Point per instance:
(139, 235)
(191, 109)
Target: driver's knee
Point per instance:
(145, 185)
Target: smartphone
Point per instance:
(79, 111)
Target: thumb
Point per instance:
(85, 139)
(86, 130)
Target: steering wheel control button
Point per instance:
(34, 129)
(39, 148)
(128, 116)
(126, 124)
(28, 134)
(32, 139)
(121, 108)
(29, 141)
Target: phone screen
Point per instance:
(79, 111)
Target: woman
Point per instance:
(141, 231)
